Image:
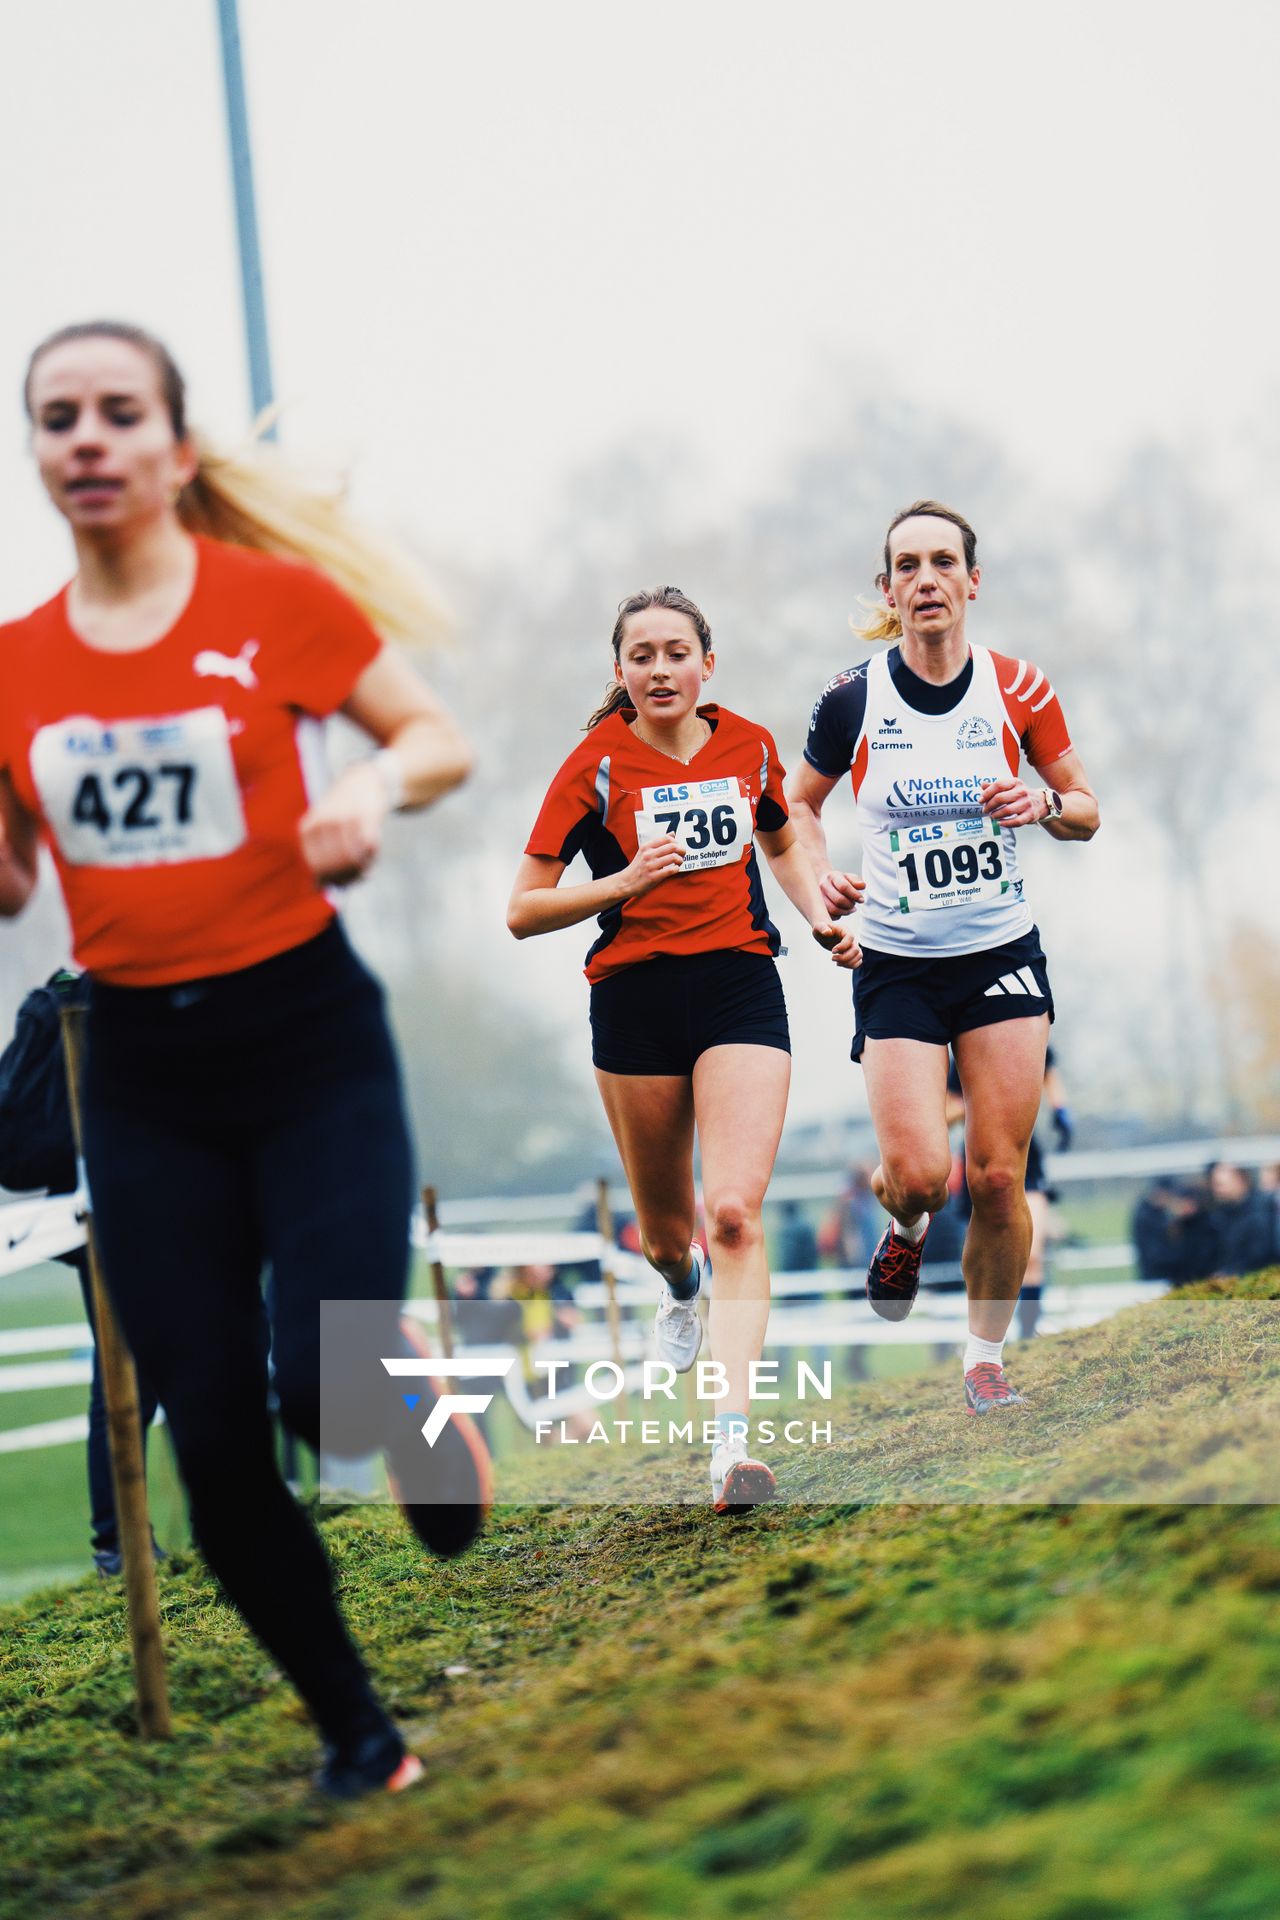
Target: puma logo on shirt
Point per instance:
(225, 666)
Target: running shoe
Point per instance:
(738, 1481)
(677, 1326)
(378, 1763)
(985, 1388)
(461, 1468)
(893, 1278)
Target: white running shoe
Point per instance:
(677, 1329)
(736, 1479)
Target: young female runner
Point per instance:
(242, 1098)
(689, 1026)
(932, 734)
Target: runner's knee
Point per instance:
(996, 1188)
(731, 1222)
(666, 1243)
(914, 1188)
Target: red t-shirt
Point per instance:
(614, 789)
(170, 781)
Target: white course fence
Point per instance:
(824, 1308)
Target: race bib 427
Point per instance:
(139, 793)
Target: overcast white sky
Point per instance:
(500, 237)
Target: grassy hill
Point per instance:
(985, 1704)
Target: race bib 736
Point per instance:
(710, 818)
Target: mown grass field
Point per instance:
(1024, 1711)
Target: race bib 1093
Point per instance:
(710, 818)
(139, 793)
(954, 863)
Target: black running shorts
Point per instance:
(895, 998)
(661, 1014)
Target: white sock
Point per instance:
(730, 1427)
(912, 1235)
(979, 1350)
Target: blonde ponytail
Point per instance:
(256, 499)
(881, 622)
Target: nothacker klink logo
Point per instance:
(446, 1403)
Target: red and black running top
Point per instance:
(615, 792)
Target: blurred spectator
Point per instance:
(848, 1235)
(1173, 1232)
(545, 1297)
(1269, 1184)
(797, 1250)
(1242, 1219)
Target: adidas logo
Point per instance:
(1023, 981)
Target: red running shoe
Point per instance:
(376, 1764)
(985, 1387)
(893, 1278)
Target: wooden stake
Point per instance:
(124, 1430)
(604, 1226)
(430, 1202)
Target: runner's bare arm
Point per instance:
(807, 792)
(792, 869)
(19, 847)
(1013, 804)
(538, 905)
(342, 833)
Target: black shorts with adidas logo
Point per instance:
(895, 998)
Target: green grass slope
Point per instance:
(995, 1703)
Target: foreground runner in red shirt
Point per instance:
(242, 1098)
(932, 735)
(689, 1027)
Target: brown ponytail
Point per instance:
(672, 599)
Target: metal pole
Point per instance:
(124, 1431)
(255, 304)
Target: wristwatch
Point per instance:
(1053, 802)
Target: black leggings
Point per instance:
(253, 1118)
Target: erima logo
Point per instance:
(447, 1403)
(976, 732)
(889, 724)
(225, 666)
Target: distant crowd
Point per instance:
(1222, 1221)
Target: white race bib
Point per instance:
(710, 818)
(139, 793)
(953, 863)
